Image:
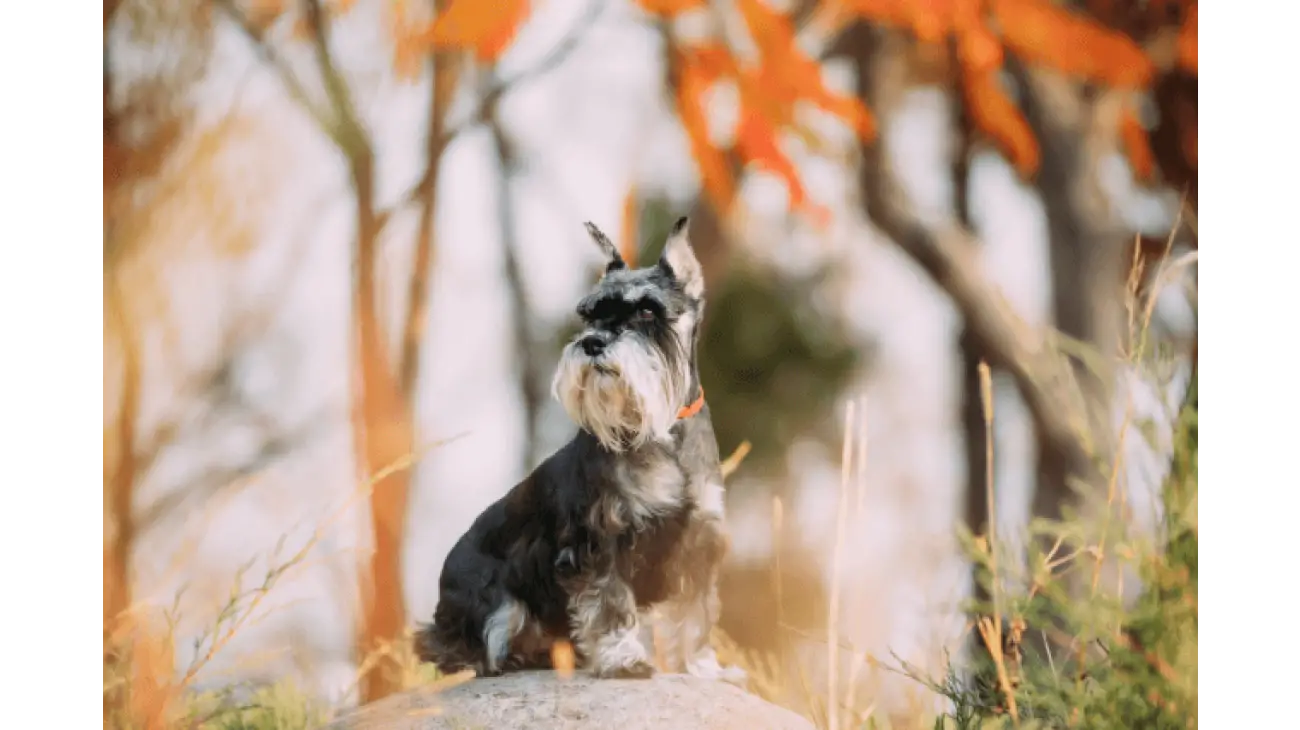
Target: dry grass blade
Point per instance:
(239, 618)
(731, 463)
(563, 658)
(860, 465)
(986, 403)
(833, 610)
(993, 641)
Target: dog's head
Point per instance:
(628, 372)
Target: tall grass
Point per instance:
(150, 692)
(1075, 647)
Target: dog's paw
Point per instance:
(734, 675)
(639, 669)
(707, 666)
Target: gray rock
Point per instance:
(545, 700)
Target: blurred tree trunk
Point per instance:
(972, 354)
(119, 483)
(382, 423)
(1076, 128)
(383, 435)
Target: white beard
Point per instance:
(634, 399)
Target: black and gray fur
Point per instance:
(615, 541)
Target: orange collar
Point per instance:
(693, 408)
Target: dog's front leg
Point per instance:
(684, 623)
(605, 624)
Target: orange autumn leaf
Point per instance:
(851, 110)
(997, 116)
(711, 62)
(1187, 42)
(714, 172)
(756, 142)
(1040, 32)
(669, 8)
(979, 49)
(486, 28)
(786, 74)
(1136, 146)
(931, 20)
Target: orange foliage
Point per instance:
(670, 8)
(928, 20)
(1187, 42)
(997, 116)
(786, 75)
(1040, 32)
(697, 72)
(485, 28)
(769, 90)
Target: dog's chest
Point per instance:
(646, 493)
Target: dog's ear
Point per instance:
(679, 261)
(613, 261)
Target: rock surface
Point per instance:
(544, 700)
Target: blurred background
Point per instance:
(343, 243)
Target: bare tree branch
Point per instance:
(347, 129)
(446, 72)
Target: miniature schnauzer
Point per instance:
(619, 531)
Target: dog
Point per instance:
(618, 537)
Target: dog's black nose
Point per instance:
(593, 345)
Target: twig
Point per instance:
(860, 464)
(345, 129)
(266, 51)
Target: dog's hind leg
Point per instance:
(502, 626)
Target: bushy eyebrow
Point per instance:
(610, 306)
